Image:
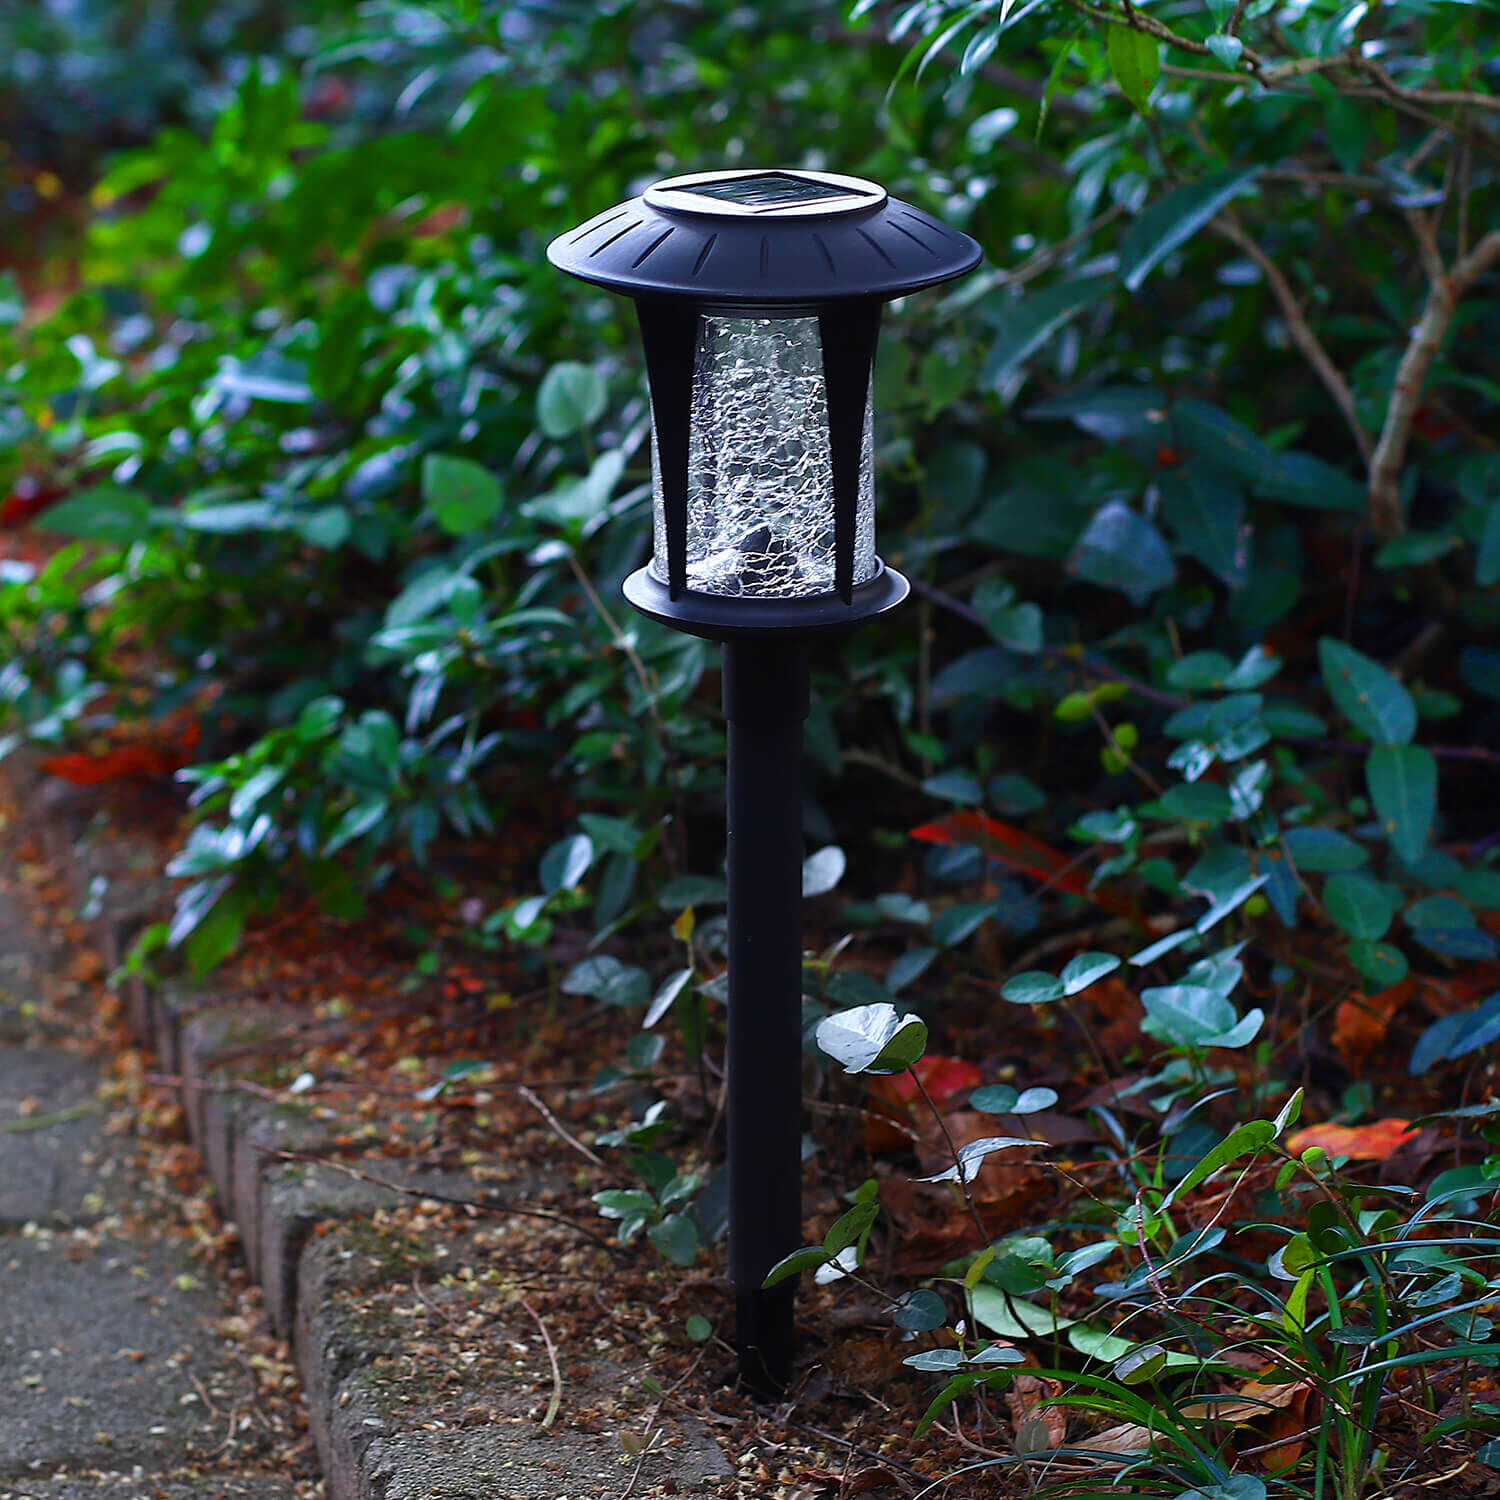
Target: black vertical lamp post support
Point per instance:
(759, 296)
(765, 703)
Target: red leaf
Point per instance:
(127, 763)
(1372, 1142)
(1014, 847)
(893, 1099)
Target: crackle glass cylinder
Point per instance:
(760, 476)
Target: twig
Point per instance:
(1072, 654)
(882, 1459)
(1444, 291)
(1307, 342)
(646, 1449)
(478, 1205)
(1139, 21)
(1442, 752)
(556, 1401)
(57, 1117)
(557, 1125)
(1459, 97)
(622, 643)
(854, 756)
(1033, 267)
(953, 1151)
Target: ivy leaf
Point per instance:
(1079, 973)
(971, 1157)
(1455, 1036)
(1255, 1136)
(572, 396)
(1367, 695)
(1035, 987)
(1380, 963)
(1226, 48)
(873, 1039)
(822, 870)
(1403, 786)
(1358, 906)
(677, 1239)
(463, 495)
(1135, 60)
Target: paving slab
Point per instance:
(100, 1344)
(55, 1165)
(137, 1484)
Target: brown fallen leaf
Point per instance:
(1254, 1399)
(1287, 1423)
(1036, 1427)
(1128, 1437)
(1361, 1022)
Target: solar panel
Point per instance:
(769, 190)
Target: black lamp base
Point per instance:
(718, 617)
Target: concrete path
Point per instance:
(115, 1379)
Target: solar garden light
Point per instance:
(759, 296)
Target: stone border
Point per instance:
(287, 1213)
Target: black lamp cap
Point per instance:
(778, 240)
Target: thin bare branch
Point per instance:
(1302, 335)
(558, 1128)
(1444, 291)
(1139, 21)
(476, 1204)
(557, 1383)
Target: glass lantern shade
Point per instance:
(759, 297)
(760, 511)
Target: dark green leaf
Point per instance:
(1207, 517)
(566, 863)
(1323, 850)
(1023, 324)
(1487, 564)
(677, 1239)
(1135, 61)
(1403, 786)
(1414, 548)
(102, 513)
(692, 890)
(1184, 211)
(1380, 963)
(1200, 669)
(1197, 802)
(1373, 701)
(217, 935)
(795, 1264)
(849, 1226)
(1121, 549)
(1032, 988)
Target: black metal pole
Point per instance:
(765, 702)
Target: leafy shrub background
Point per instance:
(1197, 480)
